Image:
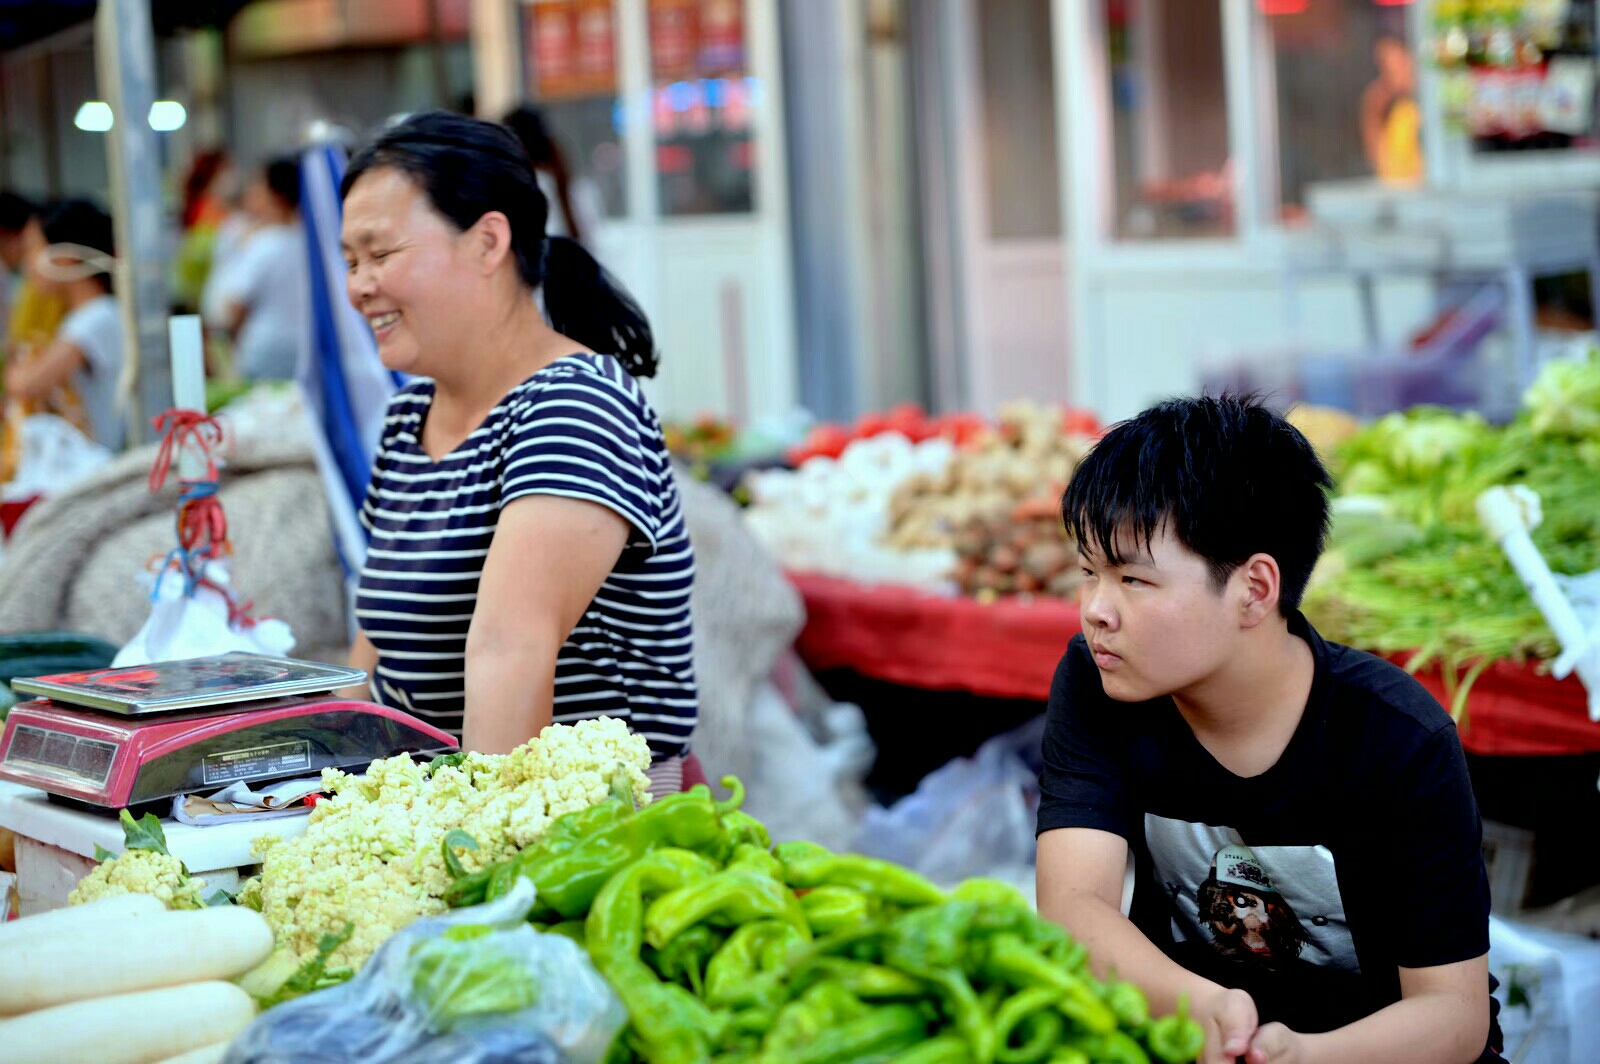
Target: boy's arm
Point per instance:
(1080, 880)
(1442, 1017)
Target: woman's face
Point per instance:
(405, 272)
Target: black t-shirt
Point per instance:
(1357, 853)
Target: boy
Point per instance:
(1306, 846)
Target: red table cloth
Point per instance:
(1010, 649)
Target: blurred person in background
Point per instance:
(574, 201)
(260, 294)
(1391, 122)
(69, 255)
(31, 316)
(211, 225)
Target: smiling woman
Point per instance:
(529, 561)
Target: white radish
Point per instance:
(138, 1028)
(211, 1054)
(187, 946)
(113, 910)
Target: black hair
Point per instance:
(14, 212)
(283, 179)
(468, 167)
(543, 151)
(78, 221)
(1228, 476)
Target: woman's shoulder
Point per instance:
(602, 377)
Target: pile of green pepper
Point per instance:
(728, 949)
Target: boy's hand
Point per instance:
(1229, 1018)
(1276, 1044)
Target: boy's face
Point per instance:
(1156, 624)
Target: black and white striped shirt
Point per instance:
(579, 428)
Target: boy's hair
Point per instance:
(282, 176)
(1227, 476)
(78, 221)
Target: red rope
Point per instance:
(202, 524)
(180, 428)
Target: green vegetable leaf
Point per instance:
(314, 974)
(144, 833)
(446, 761)
(453, 839)
(219, 898)
(455, 980)
(102, 855)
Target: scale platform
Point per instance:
(139, 736)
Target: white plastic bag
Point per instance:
(1549, 983)
(181, 627)
(53, 457)
(972, 817)
(475, 986)
(801, 788)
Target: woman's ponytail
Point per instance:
(588, 304)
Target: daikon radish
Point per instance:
(112, 910)
(166, 949)
(138, 1028)
(211, 1054)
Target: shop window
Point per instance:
(1169, 119)
(570, 58)
(702, 98)
(1517, 75)
(1346, 96)
(1019, 118)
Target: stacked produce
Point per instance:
(1411, 569)
(725, 948)
(372, 858)
(937, 504)
(124, 981)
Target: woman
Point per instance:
(529, 561)
(70, 256)
(259, 295)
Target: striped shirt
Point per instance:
(580, 428)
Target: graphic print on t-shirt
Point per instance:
(1272, 906)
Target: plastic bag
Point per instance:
(1548, 984)
(972, 817)
(801, 788)
(475, 986)
(181, 627)
(53, 457)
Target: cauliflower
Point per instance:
(371, 858)
(159, 875)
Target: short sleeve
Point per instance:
(1084, 780)
(587, 436)
(95, 331)
(1435, 863)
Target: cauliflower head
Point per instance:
(159, 875)
(371, 856)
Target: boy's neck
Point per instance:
(1246, 713)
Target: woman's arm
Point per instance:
(363, 656)
(548, 559)
(36, 378)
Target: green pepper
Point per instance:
(748, 968)
(881, 1031)
(1068, 1055)
(568, 879)
(805, 864)
(741, 893)
(573, 929)
(941, 1049)
(1127, 1003)
(991, 892)
(802, 1020)
(1009, 959)
(869, 982)
(743, 828)
(1176, 1039)
(683, 960)
(1031, 1013)
(671, 1025)
(830, 909)
(935, 944)
(1114, 1047)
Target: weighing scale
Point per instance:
(136, 737)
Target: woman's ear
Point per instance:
(490, 238)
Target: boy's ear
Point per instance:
(1263, 584)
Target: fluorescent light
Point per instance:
(93, 117)
(167, 115)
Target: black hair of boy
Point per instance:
(1227, 476)
(78, 221)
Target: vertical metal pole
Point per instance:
(125, 62)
